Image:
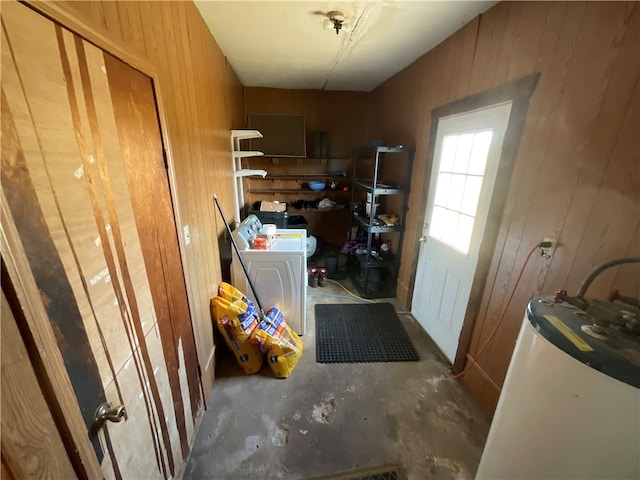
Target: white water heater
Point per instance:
(570, 404)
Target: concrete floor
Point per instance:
(327, 418)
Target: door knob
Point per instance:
(105, 412)
(422, 239)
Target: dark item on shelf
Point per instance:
(280, 219)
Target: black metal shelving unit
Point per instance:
(373, 272)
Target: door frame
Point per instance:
(519, 93)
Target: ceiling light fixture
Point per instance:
(336, 20)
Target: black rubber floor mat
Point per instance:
(359, 333)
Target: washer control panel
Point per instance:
(245, 232)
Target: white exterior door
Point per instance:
(466, 158)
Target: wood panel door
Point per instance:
(87, 193)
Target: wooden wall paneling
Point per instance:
(619, 186)
(504, 48)
(268, 100)
(91, 13)
(192, 164)
(112, 19)
(131, 26)
(533, 18)
(31, 444)
(549, 93)
(465, 34)
(610, 148)
(441, 69)
(482, 47)
(152, 34)
(469, 36)
(490, 44)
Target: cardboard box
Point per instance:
(272, 206)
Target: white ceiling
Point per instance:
(285, 44)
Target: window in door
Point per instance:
(460, 176)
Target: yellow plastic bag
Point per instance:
(231, 293)
(279, 341)
(243, 318)
(248, 355)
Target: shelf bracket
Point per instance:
(250, 173)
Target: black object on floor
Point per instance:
(358, 333)
(384, 472)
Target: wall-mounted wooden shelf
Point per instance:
(305, 176)
(302, 191)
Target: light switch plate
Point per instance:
(187, 235)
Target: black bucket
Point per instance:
(331, 262)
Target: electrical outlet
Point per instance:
(549, 251)
(187, 235)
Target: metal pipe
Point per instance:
(582, 290)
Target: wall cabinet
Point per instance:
(380, 186)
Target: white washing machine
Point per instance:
(570, 404)
(279, 274)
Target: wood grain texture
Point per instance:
(576, 172)
(139, 135)
(31, 444)
(46, 358)
(201, 100)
